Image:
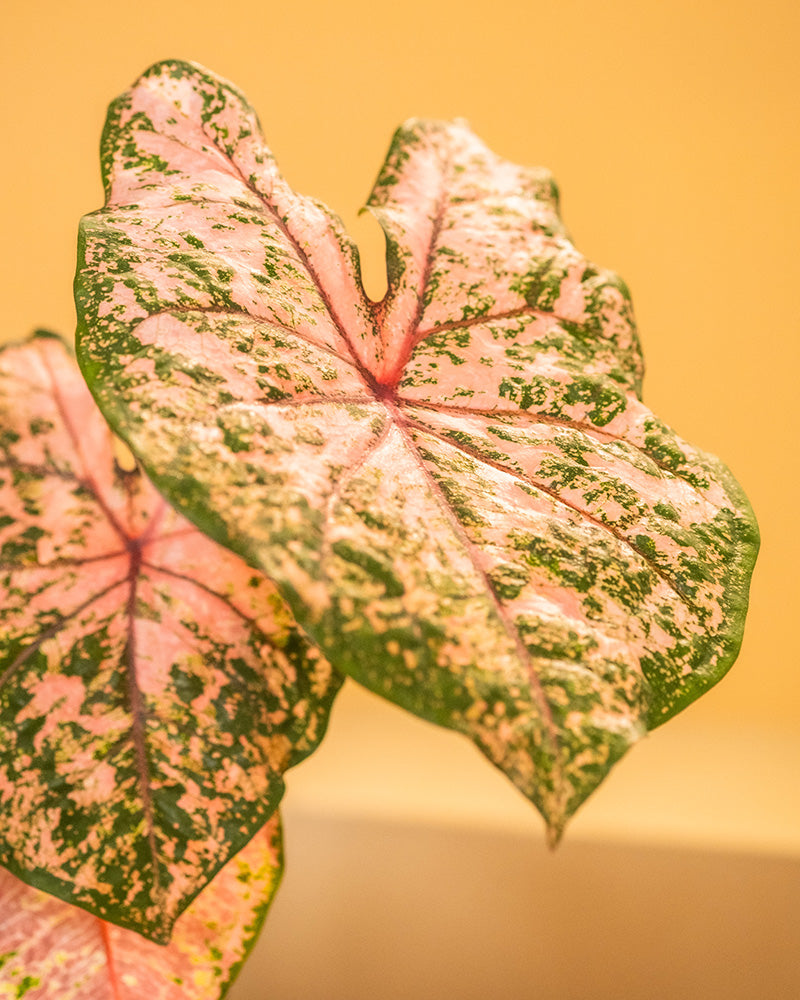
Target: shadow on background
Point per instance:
(373, 910)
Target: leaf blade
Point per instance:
(49, 949)
(471, 260)
(480, 520)
(153, 687)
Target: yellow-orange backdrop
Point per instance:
(671, 128)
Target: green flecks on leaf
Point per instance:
(26, 984)
(193, 241)
(6, 957)
(666, 510)
(508, 580)
(541, 286)
(606, 401)
(39, 426)
(374, 568)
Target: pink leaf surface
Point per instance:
(457, 489)
(50, 950)
(153, 688)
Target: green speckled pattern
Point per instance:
(50, 950)
(457, 489)
(153, 688)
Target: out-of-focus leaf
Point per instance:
(457, 489)
(50, 950)
(153, 688)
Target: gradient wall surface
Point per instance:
(672, 130)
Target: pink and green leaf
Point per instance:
(457, 489)
(153, 688)
(50, 950)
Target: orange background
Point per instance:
(672, 129)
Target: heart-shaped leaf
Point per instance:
(153, 688)
(52, 951)
(457, 489)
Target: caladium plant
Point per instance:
(454, 495)
(50, 950)
(457, 489)
(153, 688)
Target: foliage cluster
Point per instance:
(454, 496)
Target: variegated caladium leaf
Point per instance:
(153, 688)
(457, 489)
(50, 950)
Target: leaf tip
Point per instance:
(555, 831)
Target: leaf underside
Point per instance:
(457, 489)
(153, 688)
(49, 949)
